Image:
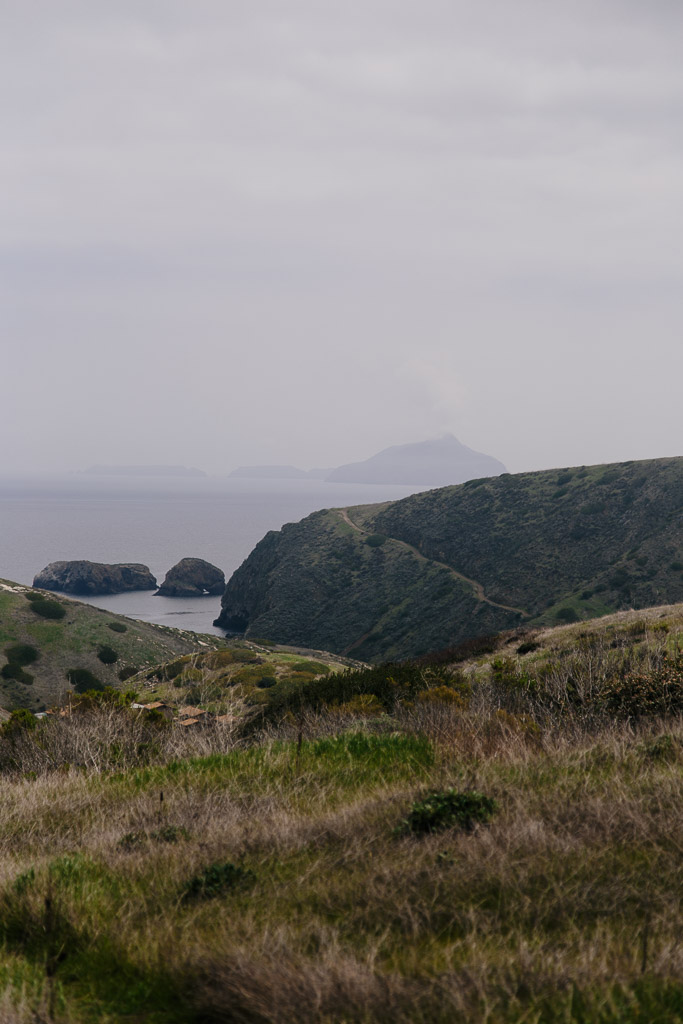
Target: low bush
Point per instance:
(216, 880)
(444, 809)
(666, 748)
(118, 627)
(107, 655)
(21, 654)
(375, 540)
(13, 671)
(567, 614)
(48, 609)
(527, 647)
(126, 672)
(82, 680)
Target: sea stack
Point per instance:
(92, 578)
(192, 577)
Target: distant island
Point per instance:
(429, 463)
(426, 463)
(144, 471)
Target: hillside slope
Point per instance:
(402, 578)
(36, 653)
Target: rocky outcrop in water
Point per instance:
(90, 578)
(192, 577)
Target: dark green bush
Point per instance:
(564, 478)
(118, 627)
(567, 614)
(21, 654)
(48, 609)
(126, 672)
(527, 647)
(216, 880)
(375, 540)
(677, 566)
(34, 595)
(447, 808)
(265, 682)
(13, 671)
(107, 655)
(82, 679)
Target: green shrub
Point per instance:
(564, 478)
(118, 627)
(21, 720)
(566, 614)
(107, 655)
(677, 566)
(664, 748)
(447, 808)
(375, 540)
(82, 679)
(48, 609)
(126, 672)
(34, 595)
(21, 654)
(216, 880)
(265, 682)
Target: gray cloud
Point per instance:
(243, 232)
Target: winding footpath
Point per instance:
(476, 587)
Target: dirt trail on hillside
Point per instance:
(476, 587)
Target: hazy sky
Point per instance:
(274, 230)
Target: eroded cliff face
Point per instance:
(83, 577)
(192, 577)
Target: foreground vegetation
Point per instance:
(480, 837)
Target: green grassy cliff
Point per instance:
(400, 579)
(44, 638)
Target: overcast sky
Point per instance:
(273, 230)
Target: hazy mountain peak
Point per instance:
(438, 462)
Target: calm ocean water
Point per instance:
(156, 522)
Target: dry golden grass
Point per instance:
(566, 907)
